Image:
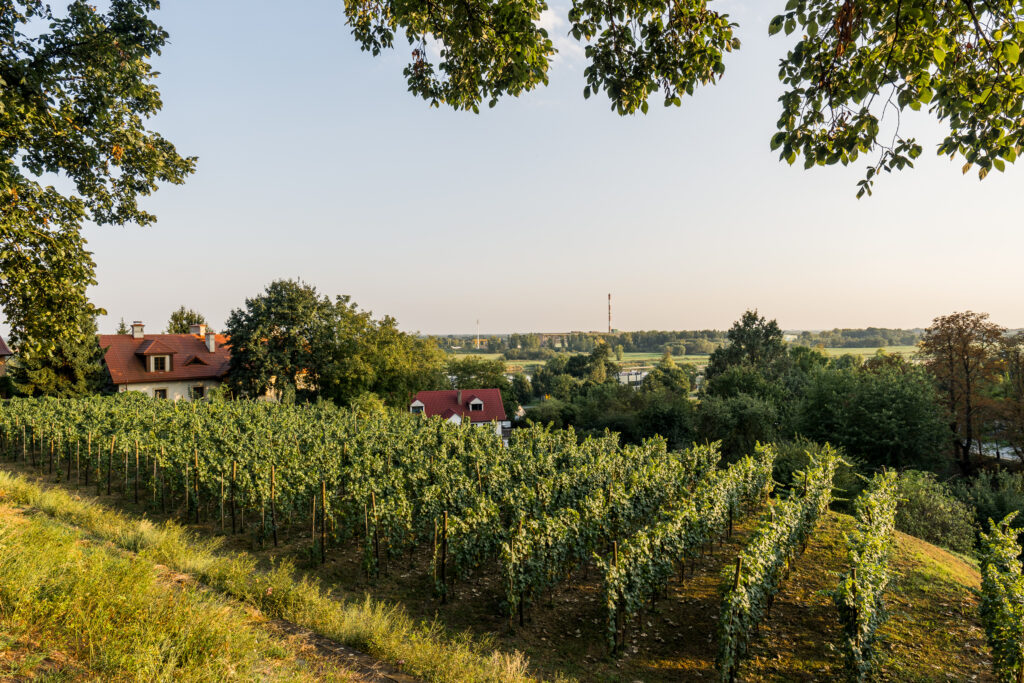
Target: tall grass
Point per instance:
(386, 632)
(116, 618)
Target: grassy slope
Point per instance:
(72, 609)
(934, 632)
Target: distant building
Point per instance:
(173, 366)
(633, 378)
(482, 407)
(5, 355)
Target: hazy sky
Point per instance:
(315, 162)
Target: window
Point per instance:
(159, 364)
(476, 406)
(159, 393)
(416, 409)
(198, 392)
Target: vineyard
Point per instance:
(533, 521)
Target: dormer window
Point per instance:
(416, 407)
(159, 363)
(476, 405)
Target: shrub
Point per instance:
(993, 495)
(930, 511)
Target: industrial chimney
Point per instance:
(138, 330)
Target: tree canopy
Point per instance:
(76, 89)
(753, 341)
(293, 342)
(182, 320)
(852, 67)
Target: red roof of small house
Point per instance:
(446, 404)
(125, 357)
(4, 350)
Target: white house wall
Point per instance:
(175, 390)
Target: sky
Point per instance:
(316, 163)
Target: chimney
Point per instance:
(211, 342)
(199, 329)
(138, 330)
(458, 398)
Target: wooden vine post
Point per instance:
(88, 455)
(110, 461)
(234, 473)
(136, 471)
(323, 522)
(222, 503)
(195, 482)
(376, 533)
(444, 559)
(273, 500)
(186, 494)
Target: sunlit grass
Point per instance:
(111, 616)
(386, 632)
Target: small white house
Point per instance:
(482, 407)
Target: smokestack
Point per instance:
(211, 342)
(609, 313)
(198, 330)
(138, 330)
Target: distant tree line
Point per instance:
(868, 337)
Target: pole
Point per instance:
(323, 522)
(273, 502)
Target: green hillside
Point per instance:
(933, 633)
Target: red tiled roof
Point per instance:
(155, 347)
(4, 350)
(127, 365)
(446, 403)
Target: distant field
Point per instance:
(643, 358)
(871, 350)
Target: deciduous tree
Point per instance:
(76, 88)
(961, 351)
(753, 341)
(182, 320)
(852, 66)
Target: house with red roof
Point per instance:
(482, 407)
(174, 366)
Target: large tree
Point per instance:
(753, 341)
(853, 66)
(74, 368)
(293, 342)
(183, 319)
(76, 89)
(962, 352)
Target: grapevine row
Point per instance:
(764, 563)
(858, 597)
(1002, 599)
(642, 565)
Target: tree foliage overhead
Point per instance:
(855, 65)
(76, 89)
